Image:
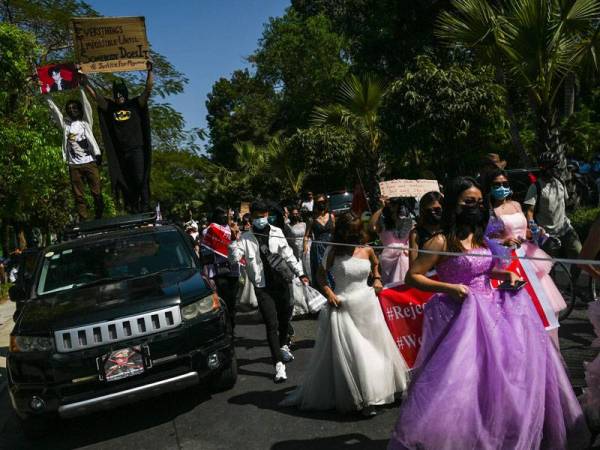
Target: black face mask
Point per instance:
(551, 173)
(294, 219)
(432, 217)
(321, 206)
(471, 215)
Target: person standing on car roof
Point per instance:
(546, 202)
(224, 273)
(271, 266)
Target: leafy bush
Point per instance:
(582, 220)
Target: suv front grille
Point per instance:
(94, 335)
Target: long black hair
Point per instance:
(348, 230)
(426, 200)
(455, 232)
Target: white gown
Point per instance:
(355, 362)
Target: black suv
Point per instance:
(120, 313)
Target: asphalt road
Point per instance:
(246, 417)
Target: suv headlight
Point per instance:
(202, 306)
(31, 344)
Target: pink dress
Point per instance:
(393, 261)
(515, 226)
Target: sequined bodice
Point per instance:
(472, 271)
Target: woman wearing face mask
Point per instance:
(295, 230)
(320, 230)
(508, 226)
(429, 223)
(487, 375)
(393, 223)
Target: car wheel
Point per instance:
(226, 378)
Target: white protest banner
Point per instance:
(110, 44)
(407, 188)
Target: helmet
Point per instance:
(548, 160)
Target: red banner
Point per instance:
(403, 311)
(217, 239)
(57, 77)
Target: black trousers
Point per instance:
(274, 305)
(138, 195)
(227, 289)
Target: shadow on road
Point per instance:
(103, 426)
(271, 400)
(346, 441)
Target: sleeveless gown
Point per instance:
(355, 362)
(394, 258)
(487, 376)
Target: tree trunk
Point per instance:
(569, 95)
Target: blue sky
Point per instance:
(204, 39)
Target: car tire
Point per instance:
(226, 378)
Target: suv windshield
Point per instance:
(111, 260)
(340, 201)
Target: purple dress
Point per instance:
(487, 375)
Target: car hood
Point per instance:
(77, 307)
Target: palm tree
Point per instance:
(357, 110)
(539, 44)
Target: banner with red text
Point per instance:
(403, 311)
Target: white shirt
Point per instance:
(308, 205)
(76, 135)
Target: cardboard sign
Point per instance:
(244, 208)
(408, 188)
(57, 77)
(110, 44)
(403, 311)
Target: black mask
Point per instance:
(120, 89)
(321, 206)
(431, 217)
(294, 219)
(550, 173)
(471, 215)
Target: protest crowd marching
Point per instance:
(443, 297)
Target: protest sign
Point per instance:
(403, 311)
(244, 208)
(217, 239)
(57, 77)
(110, 44)
(407, 188)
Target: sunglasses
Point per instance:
(505, 184)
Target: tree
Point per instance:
(304, 60)
(443, 118)
(538, 43)
(357, 110)
(243, 108)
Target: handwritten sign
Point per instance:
(408, 188)
(110, 44)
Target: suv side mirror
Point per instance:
(17, 293)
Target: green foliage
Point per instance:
(443, 118)
(326, 154)
(303, 59)
(582, 219)
(243, 108)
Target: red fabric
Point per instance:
(359, 200)
(403, 311)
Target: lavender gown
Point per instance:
(487, 375)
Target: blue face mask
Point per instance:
(501, 192)
(260, 222)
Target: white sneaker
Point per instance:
(286, 354)
(280, 375)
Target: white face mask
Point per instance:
(260, 222)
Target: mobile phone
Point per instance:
(506, 286)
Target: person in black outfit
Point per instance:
(429, 223)
(224, 274)
(126, 131)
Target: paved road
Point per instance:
(247, 417)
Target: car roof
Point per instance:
(110, 236)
